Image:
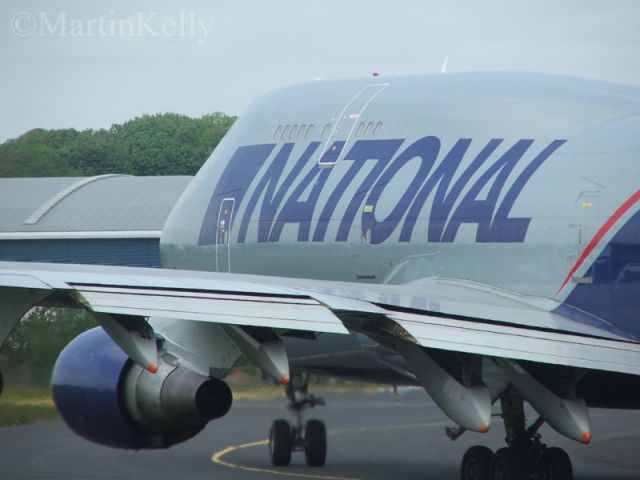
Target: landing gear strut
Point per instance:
(310, 437)
(525, 457)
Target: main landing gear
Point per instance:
(310, 437)
(525, 457)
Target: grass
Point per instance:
(248, 386)
(269, 392)
(22, 404)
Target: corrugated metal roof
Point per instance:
(110, 203)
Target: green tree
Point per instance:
(38, 339)
(162, 144)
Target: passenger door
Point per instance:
(223, 249)
(345, 124)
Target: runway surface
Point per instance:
(371, 436)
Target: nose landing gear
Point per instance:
(310, 437)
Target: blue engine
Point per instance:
(107, 399)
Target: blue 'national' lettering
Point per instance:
(295, 200)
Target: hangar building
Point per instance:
(107, 219)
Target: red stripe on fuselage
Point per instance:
(601, 233)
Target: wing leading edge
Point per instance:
(441, 314)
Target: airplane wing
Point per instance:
(443, 314)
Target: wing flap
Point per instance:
(520, 343)
(264, 311)
(22, 281)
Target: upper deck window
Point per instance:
(369, 129)
(326, 130)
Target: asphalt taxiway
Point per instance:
(371, 436)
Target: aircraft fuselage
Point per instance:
(523, 182)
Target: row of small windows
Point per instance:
(370, 129)
(292, 132)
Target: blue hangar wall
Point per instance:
(104, 220)
(137, 252)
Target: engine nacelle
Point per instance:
(106, 398)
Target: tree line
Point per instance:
(161, 144)
(31, 350)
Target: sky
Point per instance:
(92, 64)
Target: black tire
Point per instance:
(556, 465)
(280, 443)
(476, 464)
(508, 464)
(315, 443)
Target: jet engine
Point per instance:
(106, 398)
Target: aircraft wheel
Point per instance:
(280, 443)
(315, 443)
(556, 465)
(507, 464)
(476, 464)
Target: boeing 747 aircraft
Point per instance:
(475, 234)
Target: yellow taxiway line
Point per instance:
(217, 457)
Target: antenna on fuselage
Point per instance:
(443, 68)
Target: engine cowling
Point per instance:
(107, 399)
